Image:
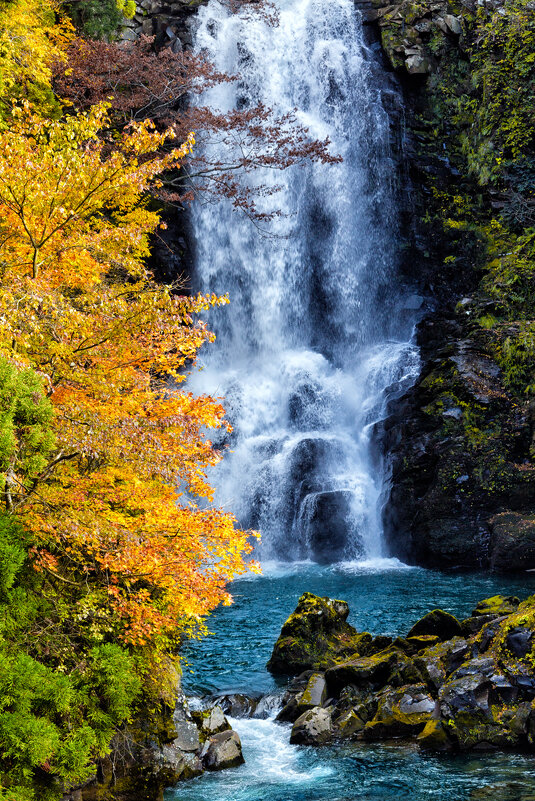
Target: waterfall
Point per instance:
(319, 325)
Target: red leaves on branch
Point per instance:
(142, 83)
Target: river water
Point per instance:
(384, 597)
(317, 335)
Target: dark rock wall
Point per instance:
(458, 443)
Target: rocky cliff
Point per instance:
(460, 442)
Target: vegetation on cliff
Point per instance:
(470, 90)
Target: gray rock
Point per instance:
(187, 738)
(127, 35)
(211, 721)
(174, 765)
(465, 694)
(238, 705)
(222, 751)
(312, 728)
(454, 24)
(418, 65)
(519, 641)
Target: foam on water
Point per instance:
(319, 325)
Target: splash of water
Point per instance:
(317, 328)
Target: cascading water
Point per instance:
(317, 328)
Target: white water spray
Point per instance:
(317, 328)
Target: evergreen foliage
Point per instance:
(100, 19)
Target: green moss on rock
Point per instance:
(316, 636)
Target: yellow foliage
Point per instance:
(31, 41)
(77, 304)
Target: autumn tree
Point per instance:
(33, 40)
(78, 305)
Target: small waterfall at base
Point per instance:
(317, 328)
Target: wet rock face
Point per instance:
(462, 484)
(474, 691)
(512, 541)
(462, 473)
(330, 525)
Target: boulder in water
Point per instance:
(238, 705)
(437, 623)
(222, 750)
(315, 636)
(312, 728)
(434, 737)
(401, 713)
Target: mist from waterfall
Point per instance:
(319, 323)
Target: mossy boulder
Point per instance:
(391, 667)
(401, 713)
(438, 624)
(497, 606)
(421, 642)
(314, 693)
(434, 737)
(316, 636)
(348, 724)
(475, 732)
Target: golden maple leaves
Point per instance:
(114, 508)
